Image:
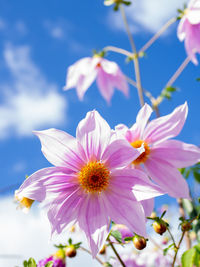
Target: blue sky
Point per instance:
(40, 39)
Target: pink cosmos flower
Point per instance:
(162, 157)
(107, 73)
(56, 262)
(88, 184)
(189, 29)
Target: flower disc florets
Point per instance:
(94, 177)
(143, 157)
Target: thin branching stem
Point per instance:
(177, 248)
(116, 253)
(158, 34)
(135, 58)
(118, 50)
(97, 258)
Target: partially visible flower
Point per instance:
(24, 202)
(57, 262)
(162, 157)
(107, 74)
(89, 184)
(189, 29)
(123, 229)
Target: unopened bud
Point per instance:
(139, 242)
(186, 226)
(103, 250)
(70, 251)
(160, 227)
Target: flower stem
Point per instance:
(135, 59)
(177, 248)
(118, 50)
(116, 253)
(158, 34)
(178, 72)
(97, 258)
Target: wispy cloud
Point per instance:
(30, 101)
(28, 235)
(146, 15)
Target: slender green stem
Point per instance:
(178, 72)
(97, 258)
(177, 248)
(170, 233)
(116, 253)
(158, 34)
(118, 50)
(135, 59)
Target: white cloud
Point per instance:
(21, 27)
(57, 29)
(30, 101)
(28, 235)
(146, 15)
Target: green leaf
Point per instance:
(171, 89)
(77, 245)
(163, 214)
(189, 258)
(49, 264)
(25, 263)
(128, 238)
(198, 79)
(107, 264)
(196, 176)
(127, 3)
(70, 241)
(117, 235)
(166, 249)
(31, 263)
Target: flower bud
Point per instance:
(139, 242)
(70, 251)
(103, 250)
(160, 227)
(186, 226)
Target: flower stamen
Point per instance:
(94, 177)
(144, 156)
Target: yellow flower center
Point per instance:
(144, 156)
(25, 202)
(94, 177)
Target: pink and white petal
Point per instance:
(64, 209)
(181, 31)
(119, 154)
(81, 68)
(167, 177)
(166, 127)
(124, 210)
(61, 149)
(192, 40)
(36, 186)
(94, 221)
(105, 84)
(109, 67)
(148, 206)
(119, 82)
(136, 181)
(177, 153)
(141, 121)
(94, 133)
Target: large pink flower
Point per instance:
(88, 184)
(162, 157)
(108, 74)
(189, 29)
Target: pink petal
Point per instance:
(193, 14)
(177, 153)
(81, 75)
(105, 85)
(64, 209)
(120, 83)
(124, 210)
(119, 154)
(61, 149)
(167, 177)
(40, 183)
(182, 29)
(137, 129)
(94, 134)
(136, 181)
(93, 220)
(166, 127)
(192, 41)
(109, 67)
(148, 206)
